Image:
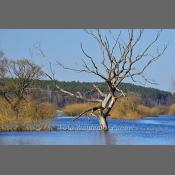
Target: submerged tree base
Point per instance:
(103, 123)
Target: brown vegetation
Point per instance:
(33, 116)
(76, 109)
(22, 73)
(125, 108)
(172, 110)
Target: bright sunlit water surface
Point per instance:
(85, 131)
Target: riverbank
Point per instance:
(130, 108)
(127, 110)
(42, 125)
(33, 116)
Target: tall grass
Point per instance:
(132, 108)
(172, 110)
(125, 108)
(32, 115)
(76, 109)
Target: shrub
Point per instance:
(172, 110)
(144, 110)
(155, 111)
(76, 109)
(159, 110)
(30, 111)
(126, 108)
(6, 112)
(132, 115)
(134, 109)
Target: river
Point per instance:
(85, 131)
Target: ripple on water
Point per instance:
(148, 131)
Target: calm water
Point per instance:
(148, 131)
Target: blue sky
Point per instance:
(64, 45)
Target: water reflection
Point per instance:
(105, 138)
(58, 138)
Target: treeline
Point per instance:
(149, 96)
(44, 90)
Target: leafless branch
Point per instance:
(92, 110)
(116, 67)
(99, 91)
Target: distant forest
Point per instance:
(149, 96)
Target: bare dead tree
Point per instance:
(20, 75)
(119, 61)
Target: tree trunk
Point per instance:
(103, 123)
(107, 105)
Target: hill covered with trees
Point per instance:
(150, 96)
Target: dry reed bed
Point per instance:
(126, 108)
(33, 116)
